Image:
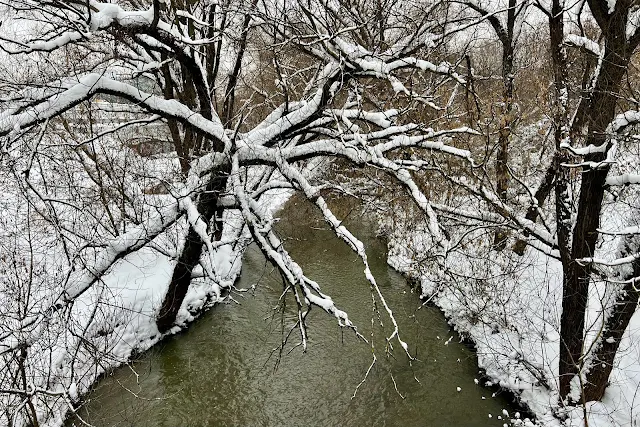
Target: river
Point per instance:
(222, 372)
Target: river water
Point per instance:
(222, 372)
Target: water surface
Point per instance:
(223, 372)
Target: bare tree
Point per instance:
(164, 64)
(507, 30)
(587, 138)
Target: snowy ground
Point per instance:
(509, 307)
(115, 319)
(136, 286)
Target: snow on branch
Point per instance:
(313, 194)
(382, 119)
(94, 83)
(610, 263)
(276, 125)
(273, 249)
(81, 279)
(585, 43)
(365, 62)
(101, 16)
(345, 146)
(609, 147)
(622, 232)
(624, 179)
(624, 120)
(584, 151)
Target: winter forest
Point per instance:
(147, 145)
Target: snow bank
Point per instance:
(509, 307)
(113, 320)
(136, 286)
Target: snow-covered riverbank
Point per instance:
(118, 317)
(510, 306)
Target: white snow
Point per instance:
(514, 322)
(583, 42)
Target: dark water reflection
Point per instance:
(221, 373)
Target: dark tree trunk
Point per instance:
(547, 184)
(195, 95)
(561, 173)
(585, 234)
(623, 309)
(502, 156)
(191, 253)
(577, 276)
(541, 195)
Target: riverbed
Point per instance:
(224, 370)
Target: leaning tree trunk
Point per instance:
(208, 201)
(207, 204)
(623, 308)
(192, 251)
(576, 275)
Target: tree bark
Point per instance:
(502, 156)
(585, 233)
(191, 253)
(623, 309)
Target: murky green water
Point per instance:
(221, 372)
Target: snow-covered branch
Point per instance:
(583, 42)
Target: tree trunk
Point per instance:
(541, 194)
(191, 253)
(547, 184)
(502, 156)
(573, 315)
(576, 276)
(615, 326)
